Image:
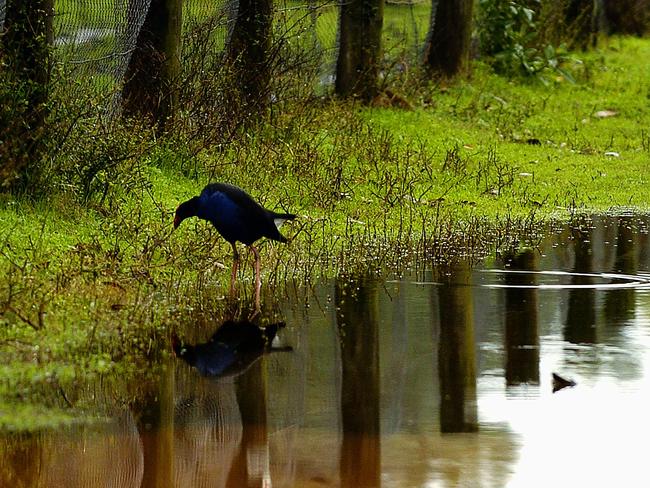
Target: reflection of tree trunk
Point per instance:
(619, 304)
(522, 336)
(156, 426)
(580, 325)
(207, 428)
(399, 358)
(643, 243)
(357, 319)
(21, 461)
(457, 354)
(251, 465)
(626, 261)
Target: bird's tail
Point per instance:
(271, 330)
(279, 219)
(282, 217)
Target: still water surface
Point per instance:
(437, 380)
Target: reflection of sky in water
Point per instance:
(589, 435)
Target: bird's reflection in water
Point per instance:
(220, 427)
(232, 349)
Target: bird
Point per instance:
(231, 349)
(237, 217)
(559, 382)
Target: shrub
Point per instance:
(508, 33)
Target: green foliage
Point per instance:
(97, 159)
(68, 144)
(508, 32)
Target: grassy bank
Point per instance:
(93, 286)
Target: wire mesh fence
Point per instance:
(312, 26)
(94, 39)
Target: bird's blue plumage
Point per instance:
(235, 215)
(225, 214)
(221, 357)
(232, 348)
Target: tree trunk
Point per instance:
(25, 68)
(357, 68)
(582, 20)
(447, 49)
(155, 65)
(627, 16)
(249, 53)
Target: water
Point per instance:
(438, 379)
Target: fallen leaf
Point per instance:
(603, 114)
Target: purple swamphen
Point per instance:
(237, 217)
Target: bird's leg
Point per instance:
(235, 266)
(258, 278)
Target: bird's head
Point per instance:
(185, 210)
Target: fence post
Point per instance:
(357, 66)
(249, 52)
(25, 67)
(447, 47)
(155, 66)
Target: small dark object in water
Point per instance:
(237, 217)
(559, 382)
(231, 349)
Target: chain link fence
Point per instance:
(94, 39)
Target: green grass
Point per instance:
(92, 290)
(598, 162)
